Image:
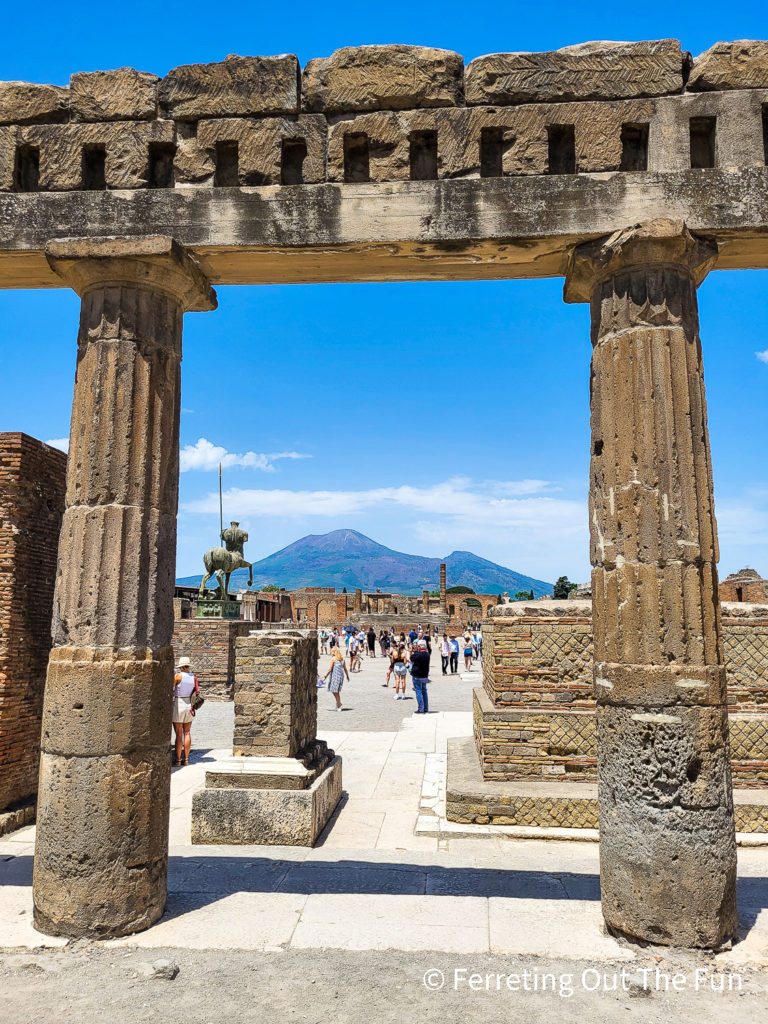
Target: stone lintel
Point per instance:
(655, 243)
(156, 262)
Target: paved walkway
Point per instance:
(371, 883)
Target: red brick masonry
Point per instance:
(32, 485)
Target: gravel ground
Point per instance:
(89, 983)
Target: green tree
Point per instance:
(522, 595)
(271, 588)
(434, 593)
(459, 590)
(471, 602)
(563, 587)
(344, 590)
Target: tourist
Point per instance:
(324, 641)
(371, 642)
(469, 651)
(384, 643)
(336, 670)
(453, 645)
(399, 665)
(478, 644)
(412, 637)
(445, 653)
(420, 676)
(184, 685)
(355, 664)
(333, 642)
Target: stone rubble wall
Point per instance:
(32, 484)
(384, 113)
(275, 693)
(534, 717)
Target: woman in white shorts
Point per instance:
(184, 685)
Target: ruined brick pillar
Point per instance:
(667, 845)
(102, 826)
(358, 603)
(443, 606)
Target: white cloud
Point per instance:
(62, 443)
(203, 455)
(762, 356)
(456, 499)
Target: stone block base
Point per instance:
(268, 817)
(19, 816)
(271, 772)
(471, 799)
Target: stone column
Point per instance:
(358, 603)
(102, 826)
(425, 601)
(443, 610)
(667, 845)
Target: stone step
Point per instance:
(473, 800)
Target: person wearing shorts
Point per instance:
(399, 666)
(184, 685)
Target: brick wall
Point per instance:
(32, 487)
(210, 646)
(534, 715)
(276, 693)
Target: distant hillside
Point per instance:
(346, 558)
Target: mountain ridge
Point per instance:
(347, 558)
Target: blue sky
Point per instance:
(429, 416)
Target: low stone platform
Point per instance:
(243, 814)
(271, 772)
(471, 799)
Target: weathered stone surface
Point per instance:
(668, 854)
(272, 817)
(382, 78)
(667, 848)
(29, 103)
(126, 147)
(275, 693)
(102, 838)
(742, 64)
(235, 87)
(107, 702)
(102, 843)
(120, 95)
(589, 71)
(260, 145)
(459, 133)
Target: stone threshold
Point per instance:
(453, 784)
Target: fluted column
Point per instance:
(443, 608)
(667, 845)
(102, 827)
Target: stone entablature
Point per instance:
(388, 113)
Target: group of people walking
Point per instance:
(406, 655)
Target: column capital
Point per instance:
(655, 243)
(156, 262)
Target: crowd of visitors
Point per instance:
(405, 654)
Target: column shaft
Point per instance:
(102, 834)
(667, 845)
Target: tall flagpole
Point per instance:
(221, 507)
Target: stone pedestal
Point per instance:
(667, 845)
(282, 784)
(102, 830)
(213, 608)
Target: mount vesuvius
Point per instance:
(346, 558)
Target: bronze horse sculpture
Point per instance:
(222, 562)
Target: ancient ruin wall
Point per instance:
(534, 717)
(388, 114)
(32, 481)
